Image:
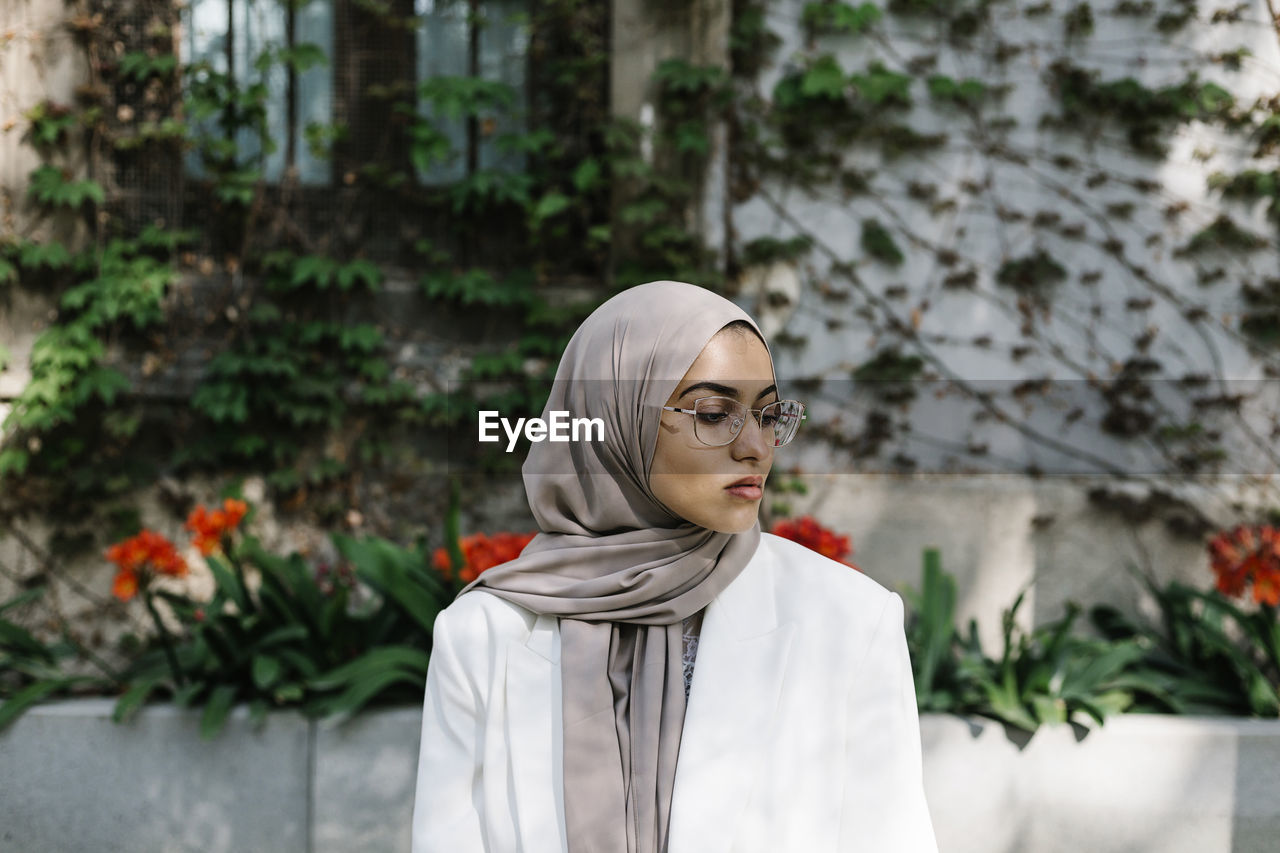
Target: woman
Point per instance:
(653, 673)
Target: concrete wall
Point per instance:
(996, 532)
(38, 61)
(989, 187)
(1000, 534)
(643, 35)
(72, 780)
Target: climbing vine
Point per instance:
(159, 226)
(866, 158)
(283, 367)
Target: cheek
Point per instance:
(683, 478)
(673, 453)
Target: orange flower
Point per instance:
(480, 552)
(125, 586)
(209, 527)
(1266, 587)
(809, 533)
(1244, 555)
(129, 554)
(138, 557)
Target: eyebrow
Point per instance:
(726, 390)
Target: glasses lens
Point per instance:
(718, 420)
(784, 416)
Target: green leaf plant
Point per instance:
(32, 670)
(1044, 676)
(281, 631)
(1204, 654)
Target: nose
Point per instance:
(752, 438)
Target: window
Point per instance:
(231, 35)
(487, 39)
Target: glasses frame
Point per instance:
(758, 416)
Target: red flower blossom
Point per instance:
(138, 557)
(1245, 555)
(480, 552)
(809, 533)
(209, 527)
(125, 585)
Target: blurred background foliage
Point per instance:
(227, 219)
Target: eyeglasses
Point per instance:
(718, 420)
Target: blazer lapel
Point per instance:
(733, 701)
(534, 736)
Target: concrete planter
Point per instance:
(70, 779)
(1140, 784)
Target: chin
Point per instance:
(733, 524)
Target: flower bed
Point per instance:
(281, 667)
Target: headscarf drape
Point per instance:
(617, 567)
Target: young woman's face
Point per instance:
(692, 479)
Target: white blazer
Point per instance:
(801, 731)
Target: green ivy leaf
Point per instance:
(476, 286)
(535, 142)
(883, 87)
(222, 402)
(677, 76)
(155, 237)
(50, 123)
(548, 206)
(823, 79)
(455, 97)
(488, 188)
(587, 176)
(363, 338)
(48, 185)
(139, 66)
(1213, 100)
(428, 146)
(249, 446)
(691, 137)
(313, 269)
(13, 462)
(52, 256)
(879, 244)
(840, 17)
(302, 57)
(495, 365)
(968, 92)
(361, 270)
(104, 383)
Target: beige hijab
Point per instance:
(618, 568)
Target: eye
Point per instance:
(711, 417)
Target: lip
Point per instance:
(747, 488)
(755, 481)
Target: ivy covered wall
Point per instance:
(1065, 213)
(986, 236)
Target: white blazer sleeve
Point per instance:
(447, 800)
(884, 806)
